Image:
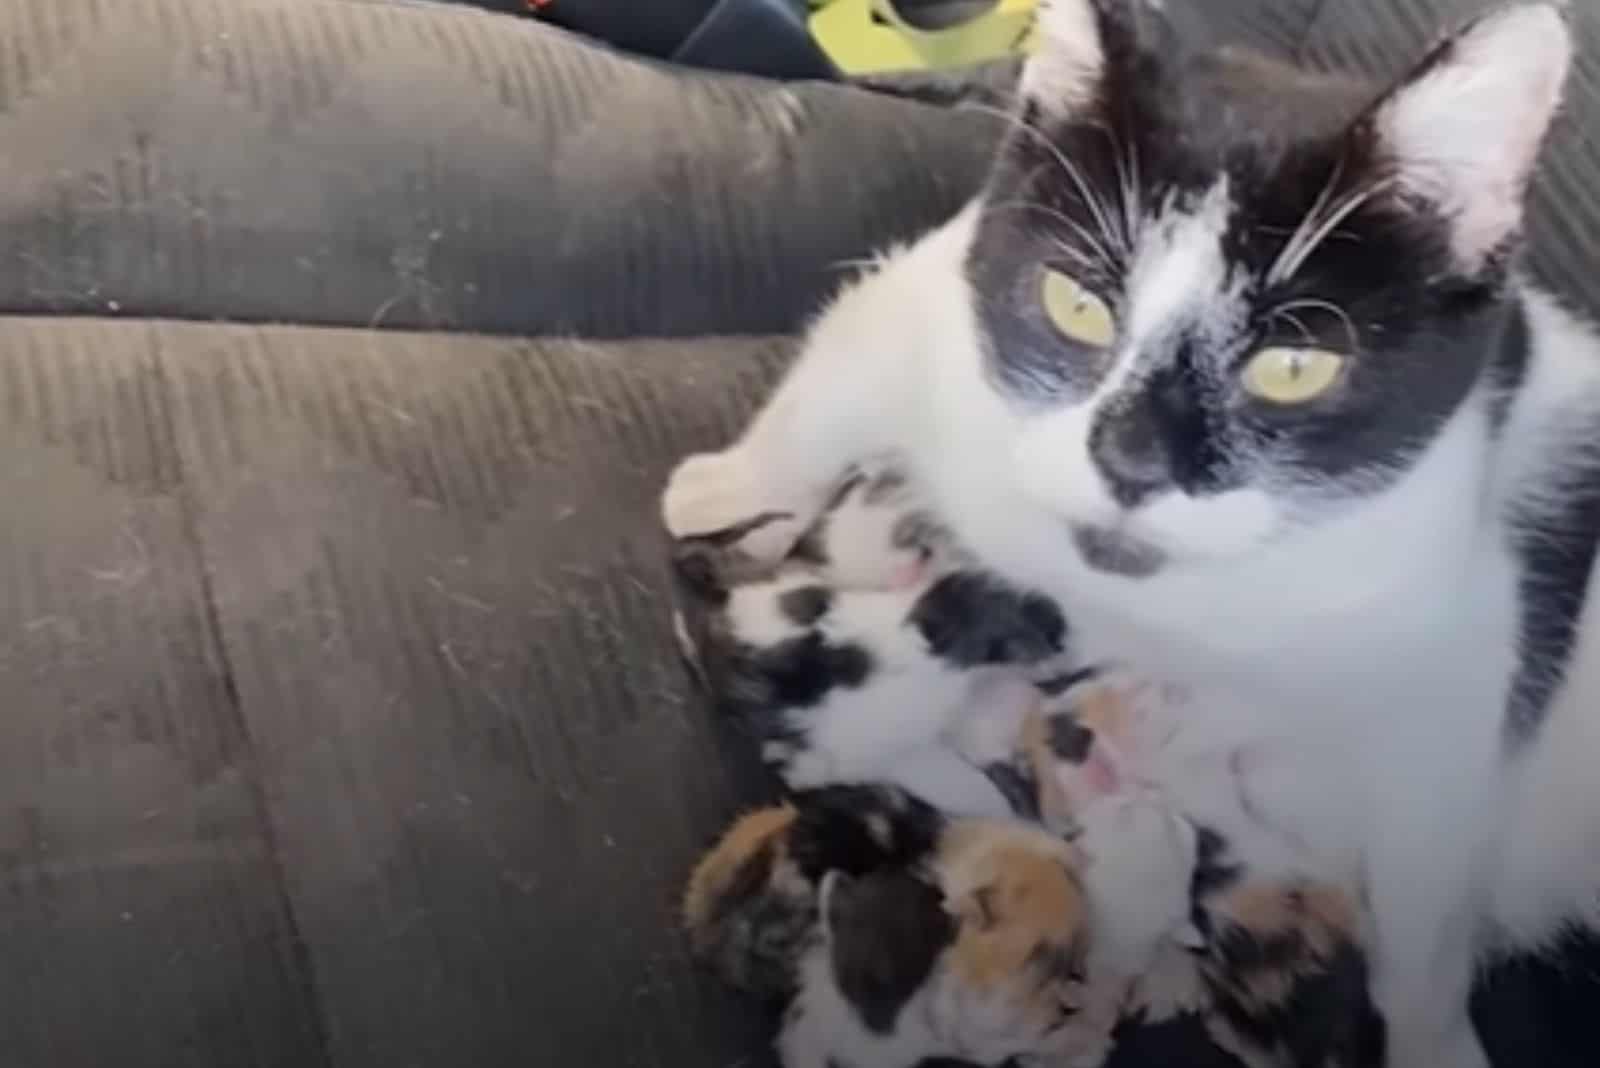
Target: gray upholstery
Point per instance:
(402, 164)
(341, 725)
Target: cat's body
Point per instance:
(1298, 436)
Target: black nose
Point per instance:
(1129, 447)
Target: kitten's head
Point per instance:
(1228, 301)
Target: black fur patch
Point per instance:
(796, 673)
(1070, 740)
(1214, 872)
(1326, 1018)
(887, 931)
(1557, 549)
(1508, 368)
(1018, 786)
(837, 829)
(973, 619)
(806, 604)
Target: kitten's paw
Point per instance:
(729, 497)
(874, 535)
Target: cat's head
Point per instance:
(1228, 301)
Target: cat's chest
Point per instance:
(1433, 660)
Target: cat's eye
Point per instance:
(1076, 312)
(1291, 376)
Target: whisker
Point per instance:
(1127, 161)
(1102, 258)
(1291, 249)
(1085, 191)
(1288, 265)
(1298, 323)
(1313, 304)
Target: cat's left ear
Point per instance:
(1462, 134)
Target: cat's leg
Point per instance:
(836, 408)
(855, 393)
(1426, 945)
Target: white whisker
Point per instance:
(1312, 304)
(1298, 323)
(1101, 256)
(1092, 201)
(1300, 248)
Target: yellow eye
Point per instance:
(1077, 313)
(1292, 376)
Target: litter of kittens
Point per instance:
(978, 861)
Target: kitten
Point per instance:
(876, 653)
(894, 935)
(1238, 363)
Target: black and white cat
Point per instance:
(1237, 362)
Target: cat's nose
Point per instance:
(1131, 453)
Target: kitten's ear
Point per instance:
(1463, 132)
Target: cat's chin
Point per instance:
(1116, 552)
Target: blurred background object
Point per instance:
(797, 39)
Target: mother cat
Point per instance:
(1238, 363)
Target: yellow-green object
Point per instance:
(869, 36)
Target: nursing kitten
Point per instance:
(893, 935)
(1238, 364)
(875, 653)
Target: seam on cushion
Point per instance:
(305, 973)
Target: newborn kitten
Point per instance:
(1237, 363)
(894, 935)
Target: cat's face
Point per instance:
(1228, 302)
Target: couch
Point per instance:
(344, 345)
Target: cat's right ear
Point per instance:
(1081, 41)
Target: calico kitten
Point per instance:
(894, 935)
(1239, 363)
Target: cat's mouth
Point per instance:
(1117, 552)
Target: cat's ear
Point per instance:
(1066, 70)
(1462, 134)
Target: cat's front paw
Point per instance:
(728, 496)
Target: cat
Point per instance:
(1240, 364)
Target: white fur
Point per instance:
(1139, 862)
(1063, 74)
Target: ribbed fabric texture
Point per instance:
(418, 165)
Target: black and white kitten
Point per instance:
(1238, 364)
